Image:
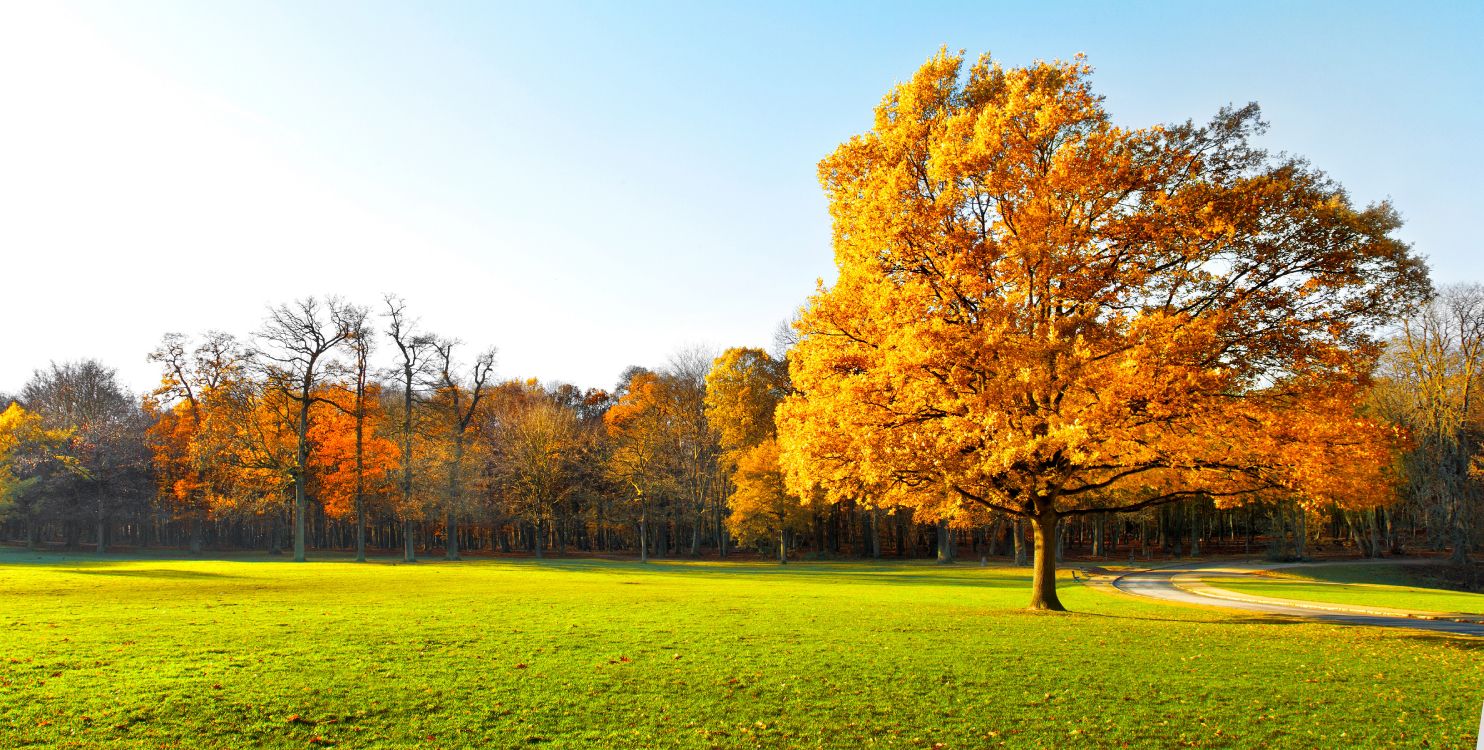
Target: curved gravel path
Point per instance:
(1161, 584)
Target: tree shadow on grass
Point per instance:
(150, 573)
(1237, 620)
(1456, 641)
(862, 573)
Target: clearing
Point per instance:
(148, 652)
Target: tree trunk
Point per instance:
(695, 532)
(782, 547)
(1251, 530)
(1195, 533)
(1020, 559)
(945, 543)
(1043, 579)
(1460, 554)
(409, 542)
(1388, 530)
(301, 501)
(455, 495)
(643, 540)
(1300, 532)
(875, 533)
(360, 475)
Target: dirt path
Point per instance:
(1183, 584)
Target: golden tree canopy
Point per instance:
(1043, 313)
(743, 389)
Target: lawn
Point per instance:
(1364, 584)
(506, 653)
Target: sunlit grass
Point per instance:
(1361, 585)
(157, 652)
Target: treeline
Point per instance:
(338, 427)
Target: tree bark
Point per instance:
(301, 501)
(360, 475)
(695, 532)
(875, 533)
(643, 539)
(1300, 532)
(1043, 579)
(945, 542)
(1195, 532)
(1020, 559)
(455, 496)
(1097, 537)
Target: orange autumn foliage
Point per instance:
(332, 456)
(1044, 314)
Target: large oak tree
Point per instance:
(1045, 314)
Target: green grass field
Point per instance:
(247, 652)
(1374, 585)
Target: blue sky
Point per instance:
(588, 186)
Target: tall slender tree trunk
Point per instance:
(360, 486)
(875, 533)
(1043, 578)
(301, 501)
(1300, 532)
(1195, 532)
(695, 534)
(409, 544)
(1020, 558)
(721, 528)
(455, 498)
(1251, 530)
(643, 537)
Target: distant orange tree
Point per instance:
(742, 393)
(333, 476)
(1046, 315)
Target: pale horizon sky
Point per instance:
(592, 186)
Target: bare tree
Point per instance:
(460, 400)
(1434, 374)
(413, 348)
(178, 384)
(699, 445)
(357, 371)
(538, 450)
(105, 446)
(293, 350)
